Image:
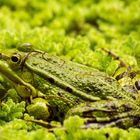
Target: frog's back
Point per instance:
(82, 78)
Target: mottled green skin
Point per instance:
(88, 80)
(77, 89)
(66, 73)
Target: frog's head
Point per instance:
(11, 67)
(11, 62)
(15, 57)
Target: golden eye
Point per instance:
(16, 58)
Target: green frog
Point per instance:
(55, 89)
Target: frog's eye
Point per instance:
(25, 47)
(15, 58)
(137, 84)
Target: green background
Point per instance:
(75, 30)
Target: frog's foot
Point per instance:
(103, 113)
(127, 77)
(116, 57)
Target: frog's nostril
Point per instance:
(14, 58)
(137, 84)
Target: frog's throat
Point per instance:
(16, 80)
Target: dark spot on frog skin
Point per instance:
(62, 114)
(77, 100)
(137, 84)
(106, 135)
(88, 89)
(120, 76)
(108, 80)
(127, 107)
(0, 55)
(60, 94)
(111, 106)
(56, 118)
(116, 96)
(51, 80)
(135, 121)
(132, 74)
(134, 97)
(68, 89)
(117, 58)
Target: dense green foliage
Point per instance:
(19, 130)
(75, 30)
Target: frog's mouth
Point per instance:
(18, 83)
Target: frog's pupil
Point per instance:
(137, 84)
(14, 58)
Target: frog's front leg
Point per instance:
(103, 113)
(4, 87)
(39, 108)
(124, 74)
